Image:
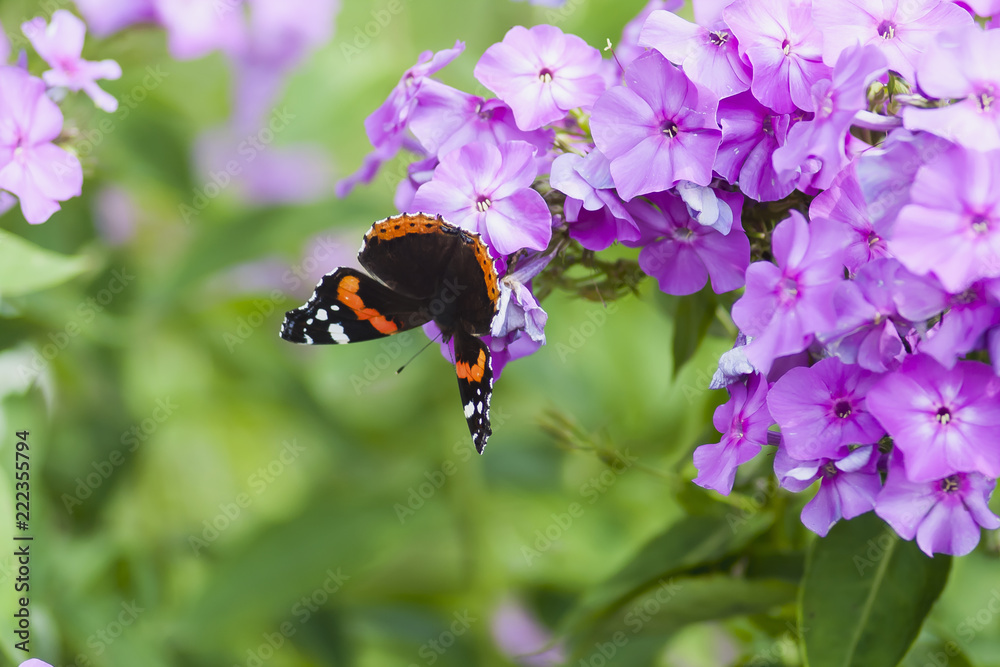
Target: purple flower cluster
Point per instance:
(867, 336)
(479, 159)
(857, 143)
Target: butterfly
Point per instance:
(422, 269)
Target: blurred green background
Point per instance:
(204, 493)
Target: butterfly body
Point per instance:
(422, 269)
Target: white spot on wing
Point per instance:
(468, 409)
(308, 339)
(337, 333)
(321, 315)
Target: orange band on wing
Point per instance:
(475, 372)
(401, 225)
(383, 325)
(352, 301)
(347, 295)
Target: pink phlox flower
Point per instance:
(951, 227)
(710, 58)
(963, 326)
(487, 189)
(960, 65)
(945, 514)
(944, 421)
(750, 134)
(31, 166)
(628, 49)
(784, 47)
(821, 410)
(876, 310)
(595, 214)
(848, 485)
(386, 126)
(60, 44)
(900, 30)
(657, 129)
(787, 303)
(819, 144)
(743, 421)
(541, 73)
(683, 254)
(518, 310)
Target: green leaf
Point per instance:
(693, 317)
(865, 595)
(282, 573)
(26, 268)
(788, 565)
(681, 601)
(942, 653)
(692, 542)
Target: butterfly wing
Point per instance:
(349, 306)
(475, 385)
(426, 258)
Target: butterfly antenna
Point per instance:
(417, 353)
(597, 288)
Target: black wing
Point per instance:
(349, 306)
(426, 258)
(475, 385)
